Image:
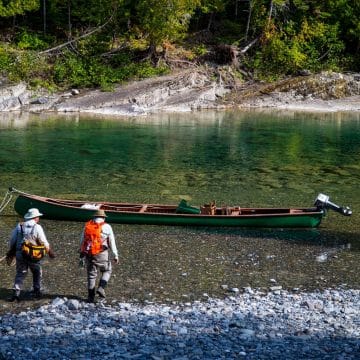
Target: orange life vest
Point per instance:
(92, 243)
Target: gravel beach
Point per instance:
(249, 324)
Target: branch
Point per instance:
(114, 51)
(76, 39)
(323, 55)
(247, 47)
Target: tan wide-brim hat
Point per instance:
(99, 213)
(32, 213)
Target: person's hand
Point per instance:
(81, 262)
(10, 259)
(11, 253)
(51, 254)
(116, 260)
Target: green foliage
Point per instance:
(30, 41)
(229, 32)
(164, 20)
(17, 7)
(211, 6)
(200, 50)
(75, 71)
(5, 60)
(313, 46)
(291, 34)
(25, 66)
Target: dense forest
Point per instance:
(98, 43)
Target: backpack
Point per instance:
(30, 251)
(92, 243)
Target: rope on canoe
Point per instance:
(13, 190)
(7, 198)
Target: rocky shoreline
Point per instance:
(193, 89)
(248, 325)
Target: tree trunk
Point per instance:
(248, 20)
(210, 21)
(270, 11)
(69, 21)
(44, 16)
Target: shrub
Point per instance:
(31, 41)
(313, 46)
(75, 71)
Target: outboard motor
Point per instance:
(323, 202)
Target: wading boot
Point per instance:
(15, 296)
(100, 291)
(91, 296)
(36, 294)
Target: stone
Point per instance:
(73, 304)
(252, 324)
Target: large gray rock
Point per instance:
(184, 91)
(193, 89)
(13, 97)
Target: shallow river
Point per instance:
(235, 158)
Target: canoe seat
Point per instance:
(143, 209)
(235, 212)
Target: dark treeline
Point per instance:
(92, 43)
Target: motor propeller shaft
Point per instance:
(323, 202)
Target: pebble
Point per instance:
(246, 325)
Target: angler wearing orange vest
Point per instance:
(96, 240)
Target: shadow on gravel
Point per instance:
(27, 300)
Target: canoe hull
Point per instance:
(54, 211)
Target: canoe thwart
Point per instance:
(143, 209)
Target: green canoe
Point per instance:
(182, 214)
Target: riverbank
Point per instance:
(250, 325)
(194, 89)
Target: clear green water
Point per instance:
(245, 158)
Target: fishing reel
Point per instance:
(322, 202)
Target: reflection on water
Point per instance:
(245, 158)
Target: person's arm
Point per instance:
(13, 238)
(82, 238)
(81, 253)
(112, 243)
(43, 240)
(40, 235)
(12, 244)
